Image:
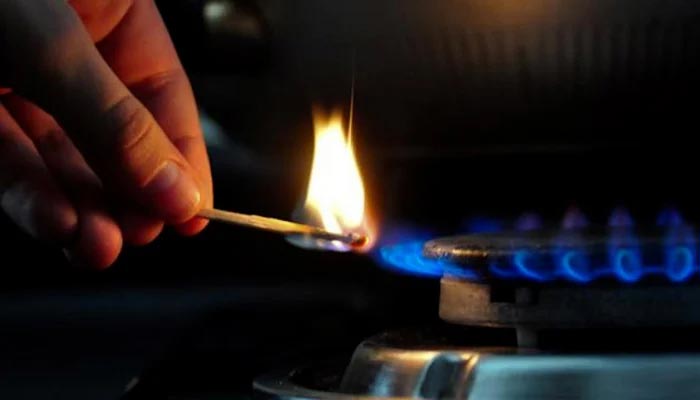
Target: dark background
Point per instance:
(463, 109)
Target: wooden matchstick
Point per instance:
(280, 226)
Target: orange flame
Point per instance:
(335, 197)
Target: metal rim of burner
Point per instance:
(574, 256)
(468, 303)
(386, 370)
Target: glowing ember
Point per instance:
(335, 199)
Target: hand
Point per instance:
(100, 141)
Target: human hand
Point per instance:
(100, 141)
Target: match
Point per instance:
(280, 226)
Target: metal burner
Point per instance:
(578, 256)
(468, 303)
(381, 369)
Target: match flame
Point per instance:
(335, 198)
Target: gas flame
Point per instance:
(335, 198)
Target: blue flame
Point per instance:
(408, 258)
(528, 222)
(623, 256)
(680, 253)
(680, 262)
(482, 225)
(627, 264)
(401, 250)
(620, 218)
(531, 265)
(576, 265)
(574, 219)
(669, 217)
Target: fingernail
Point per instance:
(175, 193)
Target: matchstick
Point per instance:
(280, 226)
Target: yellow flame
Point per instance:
(336, 192)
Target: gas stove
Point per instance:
(570, 313)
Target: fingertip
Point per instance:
(192, 227)
(139, 230)
(174, 193)
(99, 241)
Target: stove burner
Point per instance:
(581, 256)
(575, 252)
(560, 307)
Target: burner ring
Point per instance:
(578, 256)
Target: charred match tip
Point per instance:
(357, 240)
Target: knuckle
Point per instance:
(133, 142)
(133, 127)
(158, 82)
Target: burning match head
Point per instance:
(331, 241)
(358, 241)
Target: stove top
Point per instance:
(401, 367)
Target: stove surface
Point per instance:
(392, 366)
